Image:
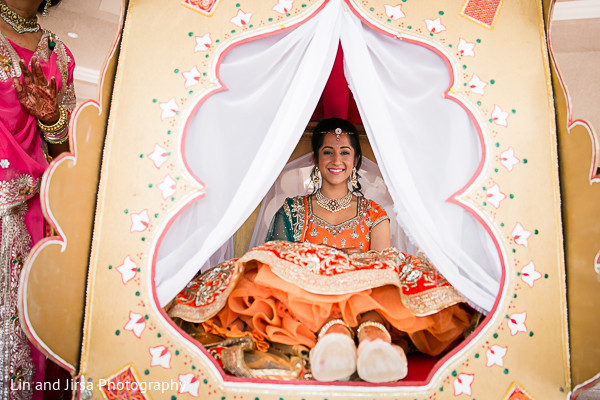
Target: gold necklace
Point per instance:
(333, 205)
(18, 23)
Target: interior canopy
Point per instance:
(427, 147)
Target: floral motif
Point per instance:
(127, 270)
(136, 324)
(188, 383)
(499, 117)
(435, 25)
(161, 356)
(466, 48)
(516, 323)
(139, 221)
(508, 159)
(495, 355)
(203, 43)
(168, 109)
(192, 77)
(283, 6)
(494, 195)
(241, 19)
(167, 187)
(529, 275)
(462, 384)
(4, 163)
(394, 12)
(476, 85)
(520, 235)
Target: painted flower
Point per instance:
(127, 270)
(167, 187)
(140, 221)
(495, 355)
(435, 25)
(394, 12)
(4, 163)
(597, 263)
(283, 6)
(529, 275)
(508, 159)
(516, 323)
(462, 384)
(161, 356)
(158, 156)
(520, 235)
(494, 195)
(136, 324)
(465, 48)
(476, 85)
(168, 109)
(499, 117)
(188, 383)
(203, 43)
(241, 19)
(192, 77)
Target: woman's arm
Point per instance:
(380, 236)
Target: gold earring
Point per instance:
(354, 179)
(48, 4)
(315, 177)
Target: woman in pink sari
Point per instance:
(36, 99)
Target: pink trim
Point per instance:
(594, 167)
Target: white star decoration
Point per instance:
(495, 196)
(283, 6)
(435, 26)
(508, 159)
(465, 48)
(529, 275)
(188, 383)
(136, 324)
(394, 12)
(158, 156)
(167, 187)
(202, 43)
(168, 109)
(495, 355)
(462, 384)
(160, 357)
(4, 163)
(476, 85)
(127, 270)
(520, 235)
(140, 221)
(192, 77)
(241, 19)
(499, 117)
(516, 323)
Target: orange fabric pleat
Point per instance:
(285, 313)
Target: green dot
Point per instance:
(490, 120)
(159, 334)
(137, 293)
(389, 20)
(441, 388)
(483, 188)
(512, 196)
(172, 198)
(524, 161)
(176, 352)
(176, 70)
(173, 397)
(190, 92)
(303, 5)
(156, 215)
(478, 102)
(117, 332)
(514, 296)
(478, 40)
(205, 381)
(514, 250)
(372, 9)
(146, 317)
(484, 203)
(464, 66)
(270, 20)
(450, 45)
(441, 13)
(530, 333)
(237, 5)
(138, 270)
(126, 211)
(492, 81)
(454, 373)
(506, 316)
(110, 267)
(431, 34)
(233, 31)
(495, 336)
(204, 74)
(250, 26)
(141, 156)
(495, 169)
(497, 144)
(535, 231)
(513, 111)
(193, 367)
(143, 239)
(150, 185)
(409, 27)
(147, 372)
(506, 370)
(476, 355)
(154, 100)
(501, 224)
(190, 34)
(218, 41)
(545, 276)
(518, 274)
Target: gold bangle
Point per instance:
(58, 139)
(377, 325)
(59, 126)
(329, 324)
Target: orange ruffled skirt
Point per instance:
(269, 306)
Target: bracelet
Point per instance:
(59, 126)
(328, 325)
(377, 325)
(58, 138)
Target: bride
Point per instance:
(328, 279)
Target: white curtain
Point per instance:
(426, 146)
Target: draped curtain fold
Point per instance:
(426, 146)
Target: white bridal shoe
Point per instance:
(379, 360)
(334, 356)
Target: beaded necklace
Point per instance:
(18, 23)
(333, 205)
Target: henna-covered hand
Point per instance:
(36, 94)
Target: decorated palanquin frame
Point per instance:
(168, 65)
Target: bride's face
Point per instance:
(336, 159)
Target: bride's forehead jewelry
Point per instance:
(339, 132)
(18, 23)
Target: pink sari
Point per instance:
(22, 163)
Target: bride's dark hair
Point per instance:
(329, 125)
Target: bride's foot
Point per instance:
(334, 356)
(378, 359)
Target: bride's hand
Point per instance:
(36, 94)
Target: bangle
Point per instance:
(57, 133)
(376, 325)
(59, 126)
(328, 325)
